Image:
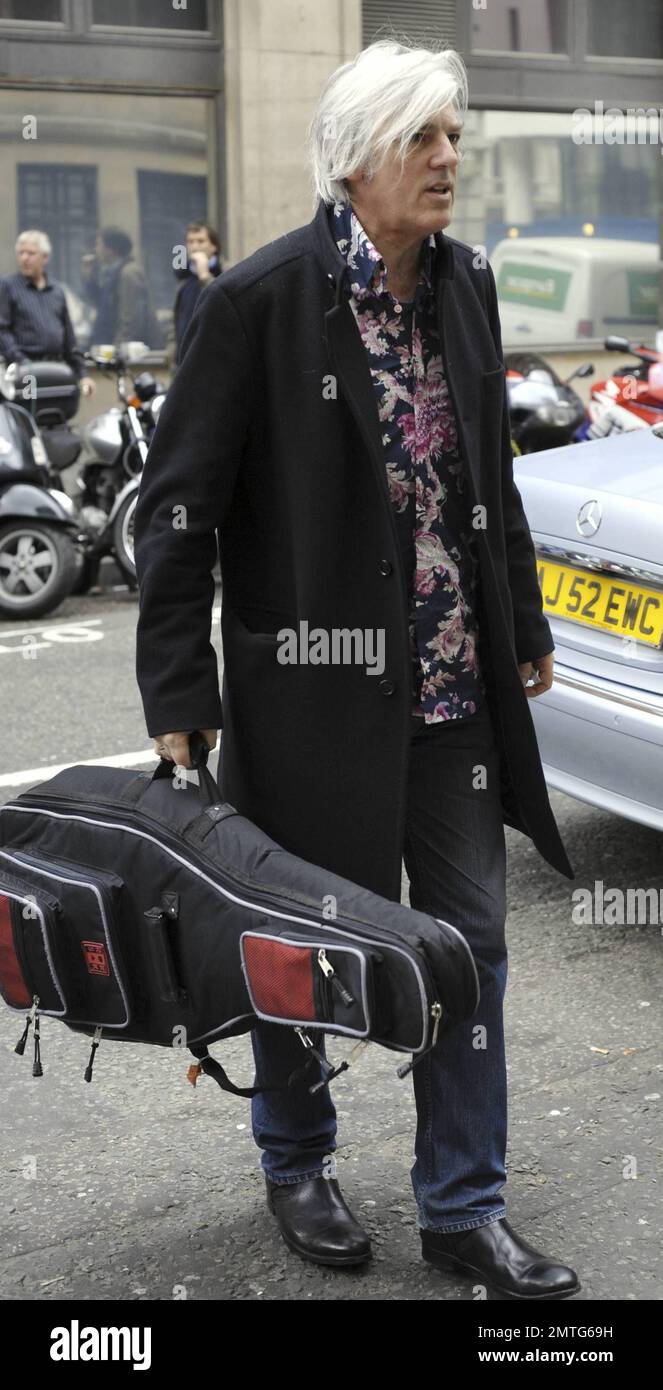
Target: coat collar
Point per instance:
(367, 268)
(335, 265)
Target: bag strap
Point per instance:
(214, 1069)
(208, 790)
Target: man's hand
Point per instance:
(175, 747)
(87, 385)
(542, 670)
(200, 263)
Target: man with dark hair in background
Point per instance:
(115, 283)
(203, 250)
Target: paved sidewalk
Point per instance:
(143, 1187)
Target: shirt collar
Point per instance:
(366, 268)
(28, 282)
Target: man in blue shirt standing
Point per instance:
(34, 318)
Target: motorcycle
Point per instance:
(631, 398)
(544, 411)
(117, 441)
(40, 535)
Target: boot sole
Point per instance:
(324, 1259)
(450, 1265)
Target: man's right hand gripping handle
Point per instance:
(175, 747)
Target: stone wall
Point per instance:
(277, 59)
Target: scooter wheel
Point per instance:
(38, 566)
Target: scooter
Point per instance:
(40, 535)
(631, 398)
(117, 441)
(544, 412)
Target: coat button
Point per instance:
(386, 567)
(387, 687)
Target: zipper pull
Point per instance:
(87, 1075)
(308, 1044)
(406, 1067)
(436, 1010)
(358, 1049)
(328, 970)
(37, 1069)
(20, 1046)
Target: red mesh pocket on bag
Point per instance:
(280, 978)
(14, 988)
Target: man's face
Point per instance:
(105, 254)
(418, 199)
(199, 241)
(31, 260)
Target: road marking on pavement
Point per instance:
(51, 633)
(39, 774)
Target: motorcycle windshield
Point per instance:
(16, 457)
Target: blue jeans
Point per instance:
(455, 859)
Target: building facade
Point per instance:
(148, 113)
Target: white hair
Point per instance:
(384, 95)
(43, 242)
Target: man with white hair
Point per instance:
(34, 318)
(352, 451)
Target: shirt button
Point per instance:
(386, 567)
(387, 687)
(398, 308)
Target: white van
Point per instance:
(561, 289)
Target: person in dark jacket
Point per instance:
(117, 286)
(34, 317)
(350, 446)
(203, 250)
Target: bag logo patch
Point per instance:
(96, 957)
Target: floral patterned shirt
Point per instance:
(425, 474)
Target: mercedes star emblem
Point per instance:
(588, 519)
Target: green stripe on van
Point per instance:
(526, 284)
(643, 290)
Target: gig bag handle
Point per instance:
(199, 751)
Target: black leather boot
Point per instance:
(496, 1256)
(316, 1223)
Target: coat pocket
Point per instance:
(263, 623)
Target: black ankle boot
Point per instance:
(494, 1255)
(316, 1223)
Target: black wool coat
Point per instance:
(270, 436)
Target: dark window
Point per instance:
(618, 30)
(520, 26)
(151, 14)
(37, 11)
(167, 203)
(421, 20)
(61, 200)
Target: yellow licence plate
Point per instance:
(615, 604)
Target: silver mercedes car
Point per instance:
(596, 515)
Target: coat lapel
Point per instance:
(351, 366)
(463, 383)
